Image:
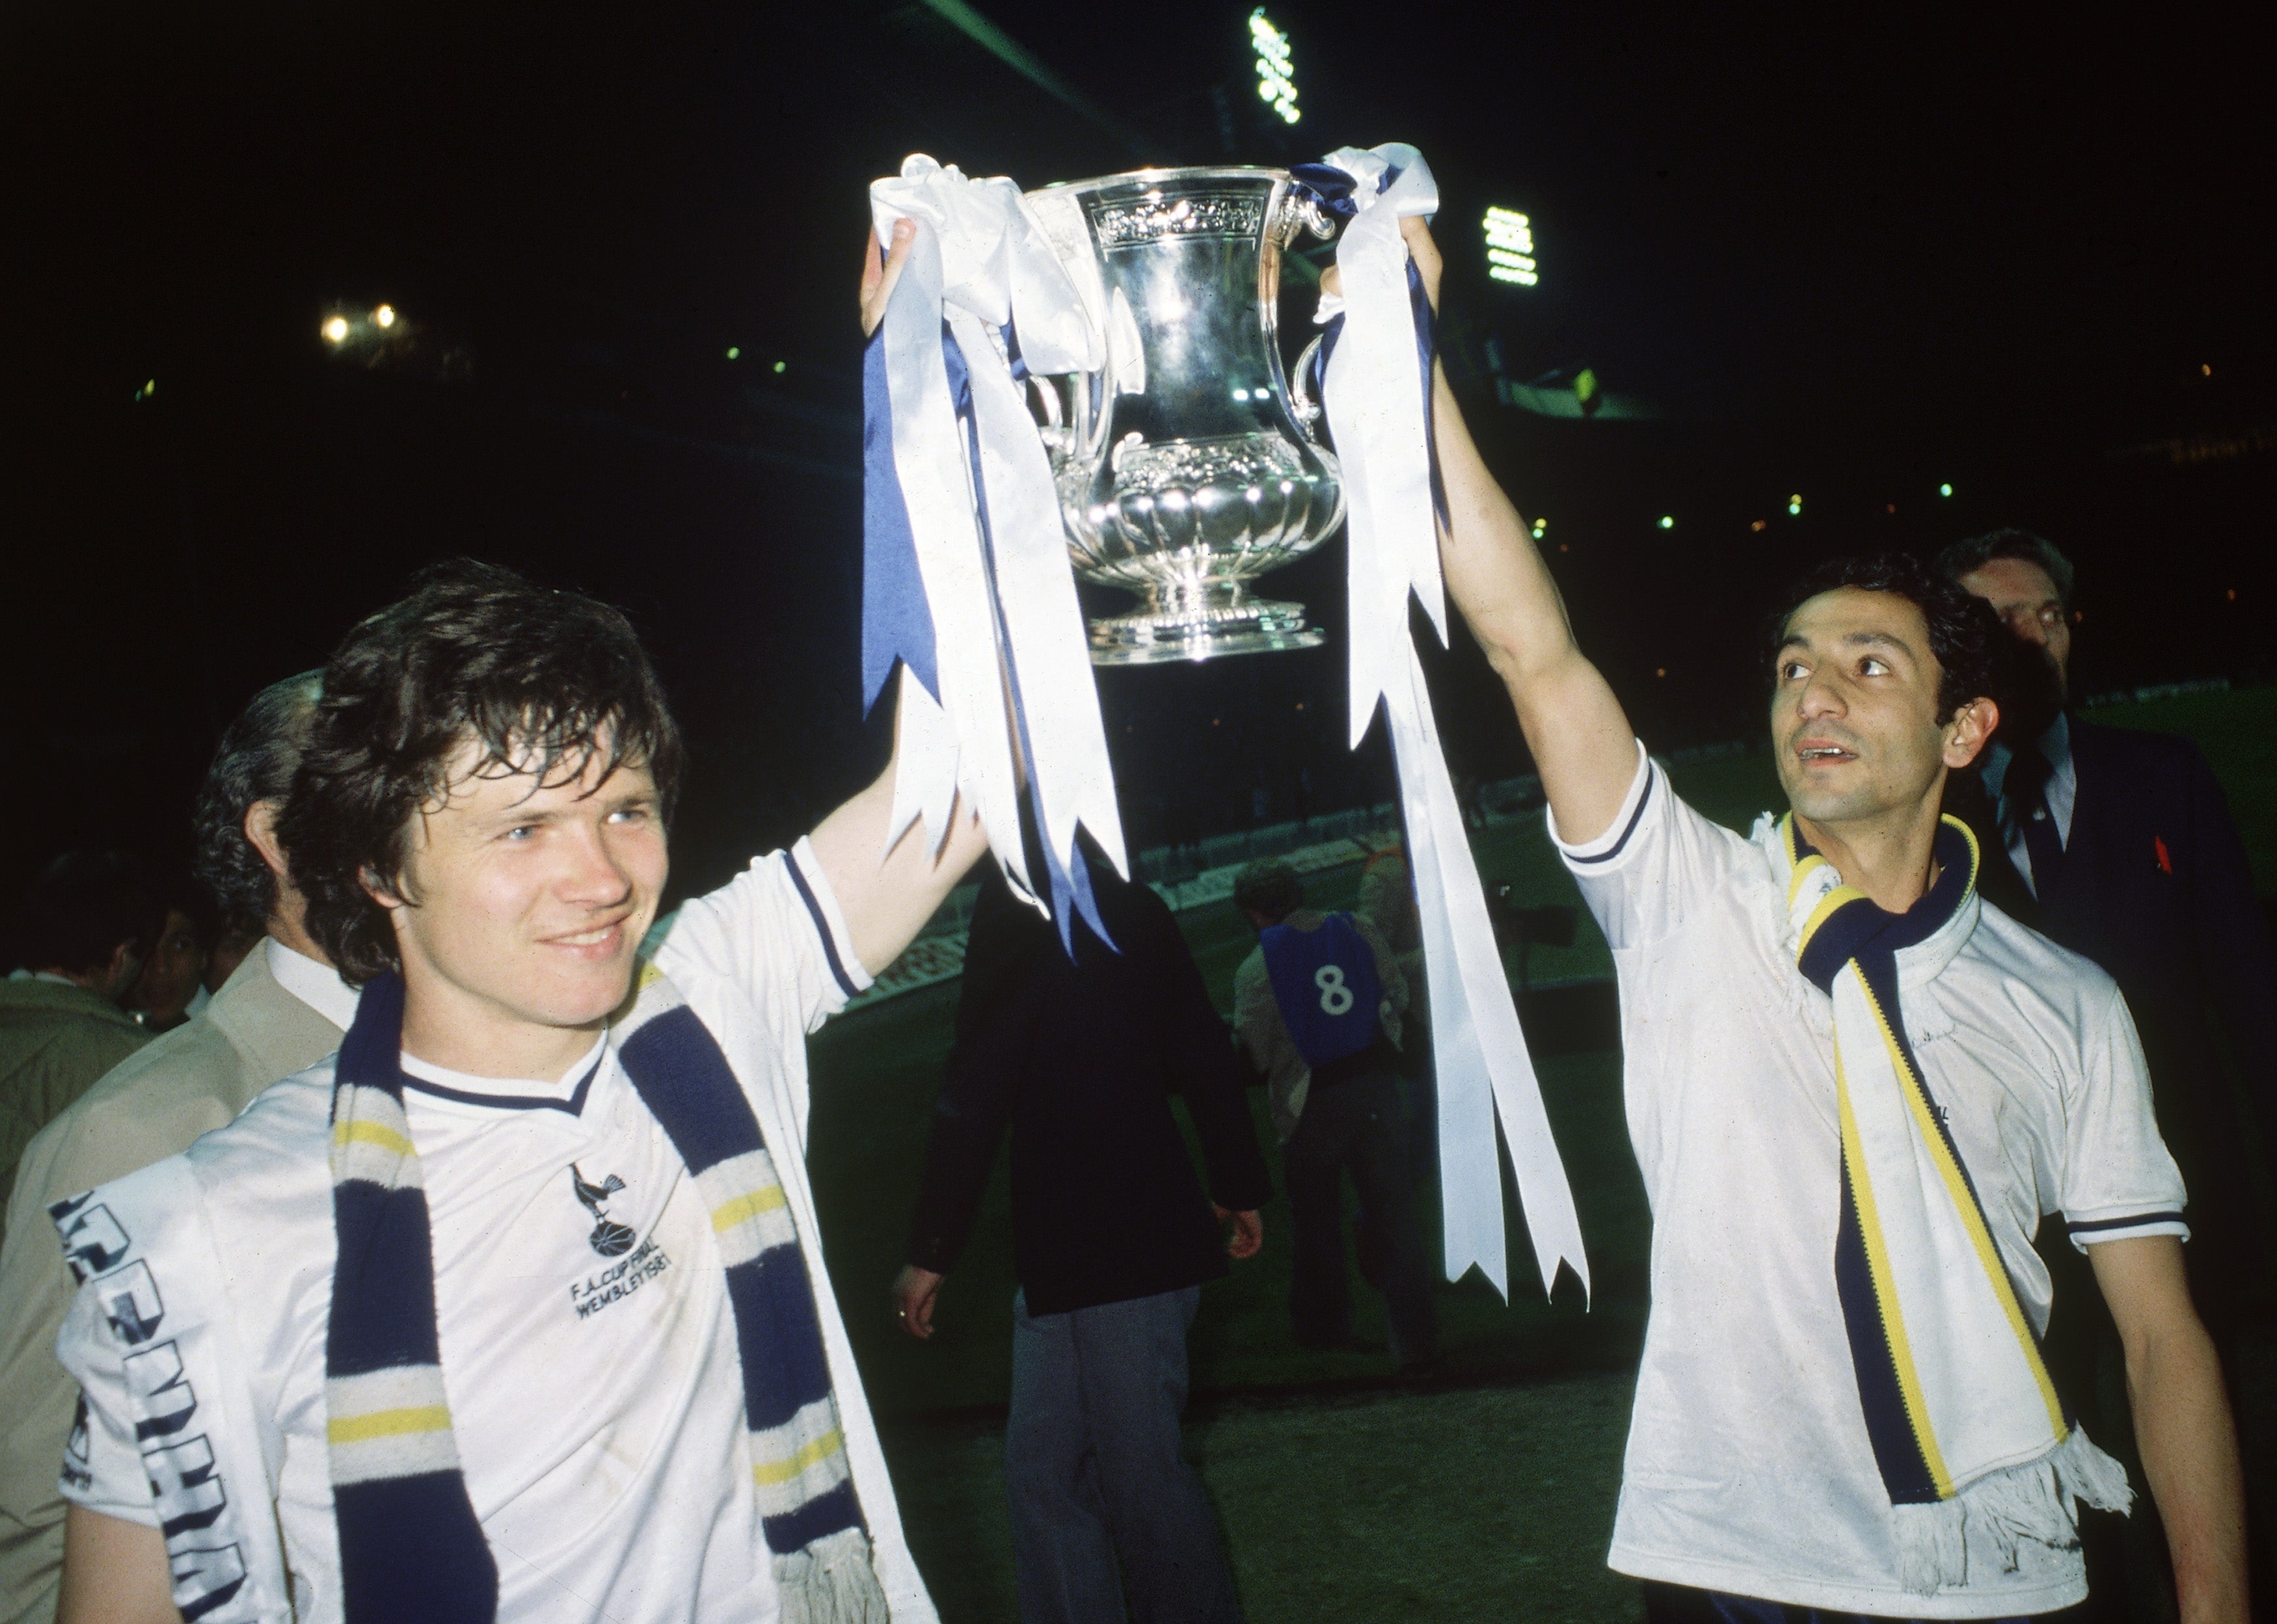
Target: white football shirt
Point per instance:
(1748, 1467)
(589, 1349)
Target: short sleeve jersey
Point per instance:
(1748, 1467)
(588, 1350)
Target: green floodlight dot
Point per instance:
(1668, 521)
(733, 353)
(1794, 504)
(782, 365)
(1945, 491)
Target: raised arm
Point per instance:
(1581, 740)
(2181, 1423)
(886, 902)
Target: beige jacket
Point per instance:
(187, 1082)
(56, 1041)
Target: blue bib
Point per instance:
(1325, 982)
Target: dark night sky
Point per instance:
(1843, 255)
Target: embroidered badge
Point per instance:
(609, 1239)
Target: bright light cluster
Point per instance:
(1509, 247)
(1276, 82)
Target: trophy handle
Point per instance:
(1302, 406)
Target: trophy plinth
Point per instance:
(1183, 471)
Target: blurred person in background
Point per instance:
(171, 987)
(86, 924)
(282, 1008)
(2119, 846)
(1077, 1050)
(1317, 1006)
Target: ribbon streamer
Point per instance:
(1381, 424)
(965, 577)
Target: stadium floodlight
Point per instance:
(1794, 504)
(385, 315)
(1277, 81)
(336, 330)
(1509, 247)
(1945, 491)
(1668, 521)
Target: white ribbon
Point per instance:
(1013, 667)
(1374, 397)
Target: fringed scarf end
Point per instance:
(831, 1581)
(1992, 1517)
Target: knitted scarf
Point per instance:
(410, 1544)
(1974, 1446)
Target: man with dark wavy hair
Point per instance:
(515, 1310)
(281, 1009)
(1854, 1088)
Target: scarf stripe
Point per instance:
(1910, 1372)
(410, 1544)
(799, 1468)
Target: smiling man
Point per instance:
(514, 1308)
(1853, 1089)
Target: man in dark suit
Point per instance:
(1079, 1051)
(2120, 847)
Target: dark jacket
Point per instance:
(1081, 1058)
(2155, 888)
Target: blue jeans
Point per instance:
(1095, 1469)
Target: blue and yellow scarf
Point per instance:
(1964, 1420)
(410, 1544)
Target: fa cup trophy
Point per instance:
(1186, 467)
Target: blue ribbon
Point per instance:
(896, 621)
(1426, 349)
(1066, 884)
(1332, 188)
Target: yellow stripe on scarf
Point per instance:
(767, 1474)
(1885, 1291)
(1987, 1254)
(388, 1423)
(727, 1214)
(356, 1129)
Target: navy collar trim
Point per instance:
(574, 1105)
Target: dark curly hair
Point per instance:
(475, 653)
(255, 761)
(1964, 636)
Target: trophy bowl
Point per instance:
(1185, 468)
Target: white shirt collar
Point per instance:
(319, 986)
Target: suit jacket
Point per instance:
(2155, 887)
(1080, 1057)
(194, 1078)
(56, 1041)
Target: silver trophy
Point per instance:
(1186, 469)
